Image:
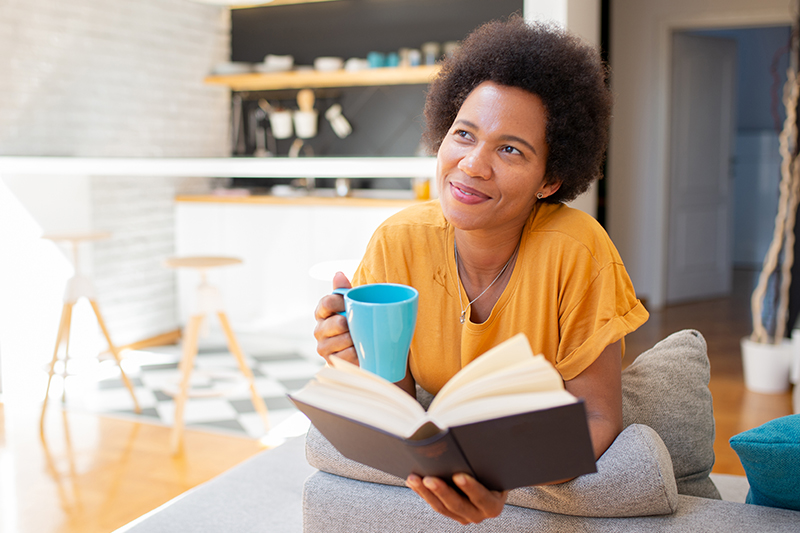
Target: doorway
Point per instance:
(723, 195)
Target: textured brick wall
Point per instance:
(136, 292)
(107, 78)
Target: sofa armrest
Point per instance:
(634, 478)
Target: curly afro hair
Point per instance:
(559, 68)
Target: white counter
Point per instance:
(291, 247)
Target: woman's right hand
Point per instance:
(331, 331)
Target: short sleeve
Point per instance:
(606, 311)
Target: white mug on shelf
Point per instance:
(341, 127)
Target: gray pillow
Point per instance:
(666, 388)
(634, 478)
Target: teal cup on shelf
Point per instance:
(392, 59)
(381, 318)
(376, 59)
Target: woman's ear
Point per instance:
(548, 189)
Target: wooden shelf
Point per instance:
(313, 79)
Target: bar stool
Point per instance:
(209, 300)
(79, 285)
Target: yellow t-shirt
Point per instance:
(569, 291)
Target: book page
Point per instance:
(510, 353)
(351, 375)
(361, 406)
(525, 377)
(497, 407)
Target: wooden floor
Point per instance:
(94, 474)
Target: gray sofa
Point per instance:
(265, 494)
(654, 477)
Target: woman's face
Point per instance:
(491, 163)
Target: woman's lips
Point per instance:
(467, 195)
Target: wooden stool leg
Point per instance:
(65, 340)
(63, 329)
(186, 365)
(115, 352)
(233, 346)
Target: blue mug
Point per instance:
(381, 318)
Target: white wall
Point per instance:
(637, 164)
(581, 17)
(101, 78)
(111, 77)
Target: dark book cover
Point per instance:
(502, 453)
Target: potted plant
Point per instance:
(766, 354)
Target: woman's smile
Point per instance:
(467, 195)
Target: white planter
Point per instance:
(794, 374)
(767, 366)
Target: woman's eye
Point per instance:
(510, 150)
(463, 134)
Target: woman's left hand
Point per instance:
(479, 504)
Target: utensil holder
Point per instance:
(281, 124)
(305, 124)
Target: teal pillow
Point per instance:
(770, 455)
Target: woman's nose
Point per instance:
(475, 163)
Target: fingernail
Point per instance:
(430, 483)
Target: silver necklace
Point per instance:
(463, 316)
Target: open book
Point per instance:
(505, 419)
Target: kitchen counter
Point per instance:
(290, 247)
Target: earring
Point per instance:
(539, 195)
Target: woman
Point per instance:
(519, 119)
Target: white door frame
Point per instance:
(720, 20)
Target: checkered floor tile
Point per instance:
(220, 399)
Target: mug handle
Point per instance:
(343, 291)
